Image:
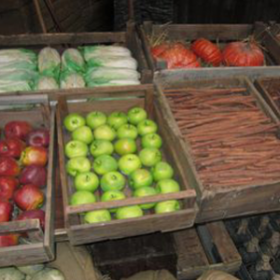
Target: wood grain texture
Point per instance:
(221, 33)
(85, 233)
(41, 248)
(195, 251)
(229, 202)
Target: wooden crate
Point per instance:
(196, 250)
(223, 33)
(205, 247)
(229, 202)
(61, 41)
(269, 87)
(123, 99)
(35, 110)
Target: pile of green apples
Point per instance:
(111, 157)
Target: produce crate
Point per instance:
(224, 201)
(205, 247)
(40, 247)
(265, 229)
(121, 99)
(61, 41)
(269, 88)
(222, 33)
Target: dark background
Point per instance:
(18, 16)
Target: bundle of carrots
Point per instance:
(233, 143)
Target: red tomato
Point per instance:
(159, 49)
(178, 56)
(243, 54)
(208, 51)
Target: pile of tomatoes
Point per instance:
(239, 53)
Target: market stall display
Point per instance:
(27, 172)
(226, 168)
(129, 219)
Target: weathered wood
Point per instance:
(195, 251)
(41, 248)
(128, 39)
(222, 33)
(84, 233)
(223, 202)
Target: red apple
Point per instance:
(18, 129)
(34, 156)
(33, 174)
(9, 240)
(11, 147)
(6, 210)
(8, 186)
(38, 138)
(29, 197)
(33, 214)
(9, 167)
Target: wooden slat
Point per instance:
(41, 248)
(229, 202)
(80, 233)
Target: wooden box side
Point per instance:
(205, 247)
(189, 32)
(230, 202)
(124, 100)
(36, 111)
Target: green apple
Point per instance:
(129, 163)
(117, 119)
(145, 191)
(104, 164)
(167, 206)
(147, 127)
(125, 146)
(87, 181)
(167, 186)
(76, 148)
(112, 181)
(162, 170)
(78, 165)
(128, 212)
(104, 132)
(73, 121)
(136, 115)
(150, 156)
(140, 178)
(127, 131)
(151, 140)
(112, 195)
(82, 197)
(97, 216)
(83, 134)
(101, 147)
(95, 119)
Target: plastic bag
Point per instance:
(72, 60)
(11, 273)
(46, 83)
(72, 80)
(31, 269)
(49, 62)
(113, 62)
(17, 55)
(48, 274)
(105, 75)
(104, 51)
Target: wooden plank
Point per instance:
(221, 33)
(83, 233)
(230, 202)
(224, 243)
(41, 248)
